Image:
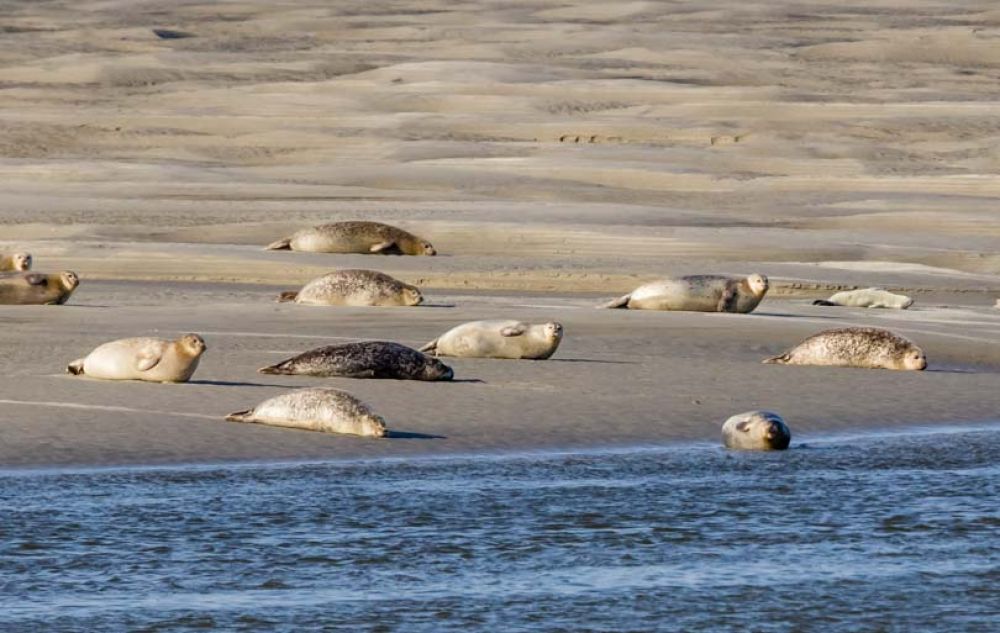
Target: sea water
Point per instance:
(894, 532)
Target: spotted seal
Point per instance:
(868, 347)
(315, 409)
(354, 287)
(15, 262)
(867, 298)
(756, 431)
(366, 359)
(498, 339)
(697, 293)
(30, 288)
(147, 359)
(355, 237)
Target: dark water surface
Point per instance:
(885, 533)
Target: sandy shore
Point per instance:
(555, 153)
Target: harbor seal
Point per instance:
(697, 293)
(869, 347)
(756, 431)
(366, 359)
(355, 287)
(355, 237)
(867, 298)
(498, 339)
(29, 288)
(15, 262)
(146, 359)
(324, 410)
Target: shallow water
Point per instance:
(881, 533)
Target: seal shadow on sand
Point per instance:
(410, 435)
(591, 360)
(233, 383)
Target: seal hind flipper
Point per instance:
(620, 302)
(288, 295)
(778, 360)
(281, 245)
(274, 369)
(240, 416)
(76, 367)
(823, 302)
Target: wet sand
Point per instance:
(556, 154)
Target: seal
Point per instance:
(28, 288)
(756, 431)
(498, 339)
(354, 287)
(696, 293)
(146, 359)
(324, 410)
(366, 359)
(15, 262)
(867, 298)
(868, 347)
(355, 237)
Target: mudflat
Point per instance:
(555, 153)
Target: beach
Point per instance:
(557, 154)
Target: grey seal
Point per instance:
(355, 287)
(316, 409)
(147, 359)
(867, 347)
(355, 237)
(697, 293)
(366, 359)
(30, 288)
(867, 298)
(498, 339)
(756, 431)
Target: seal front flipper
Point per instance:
(727, 303)
(386, 248)
(778, 360)
(36, 279)
(281, 245)
(620, 302)
(147, 359)
(430, 348)
(514, 330)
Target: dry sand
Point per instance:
(555, 153)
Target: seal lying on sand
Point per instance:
(367, 359)
(148, 359)
(324, 410)
(15, 262)
(697, 293)
(498, 339)
(756, 431)
(355, 288)
(867, 298)
(29, 288)
(355, 237)
(869, 347)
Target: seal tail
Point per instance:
(239, 416)
(620, 302)
(287, 296)
(284, 244)
(778, 360)
(430, 348)
(823, 302)
(75, 368)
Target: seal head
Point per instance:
(756, 431)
